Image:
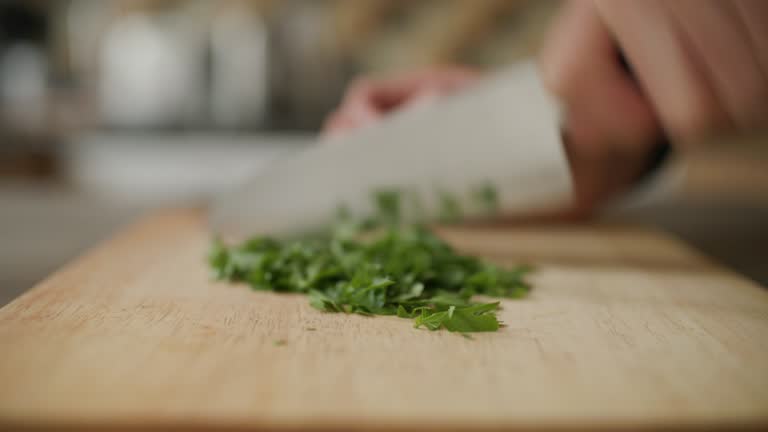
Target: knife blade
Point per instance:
(503, 132)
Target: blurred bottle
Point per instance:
(308, 75)
(239, 66)
(23, 87)
(23, 68)
(151, 63)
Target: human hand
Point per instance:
(369, 99)
(698, 67)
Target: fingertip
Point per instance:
(337, 124)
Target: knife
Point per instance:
(502, 132)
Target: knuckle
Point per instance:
(356, 89)
(695, 120)
(556, 82)
(754, 114)
(358, 86)
(558, 75)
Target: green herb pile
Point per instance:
(376, 267)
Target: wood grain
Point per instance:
(626, 329)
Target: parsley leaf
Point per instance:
(377, 267)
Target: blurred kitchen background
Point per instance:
(111, 108)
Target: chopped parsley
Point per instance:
(377, 267)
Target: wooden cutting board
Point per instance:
(626, 329)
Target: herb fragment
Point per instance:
(487, 198)
(377, 267)
(450, 209)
